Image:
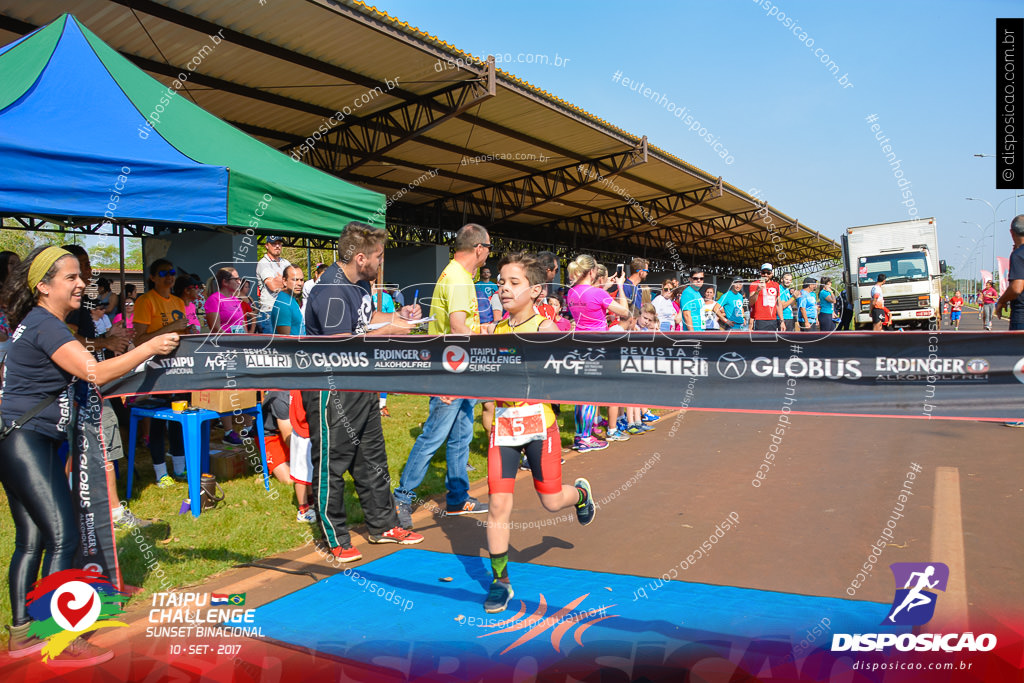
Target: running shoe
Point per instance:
(648, 416)
(498, 597)
(586, 510)
(644, 428)
(524, 464)
(397, 535)
(232, 438)
(404, 511)
(346, 553)
(81, 653)
(471, 506)
(183, 477)
(603, 424)
(1013, 424)
(21, 644)
(308, 516)
(634, 430)
(130, 521)
(589, 443)
(597, 433)
(622, 424)
(616, 435)
(166, 482)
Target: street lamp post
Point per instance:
(995, 266)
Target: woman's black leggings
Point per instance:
(37, 491)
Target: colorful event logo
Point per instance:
(914, 603)
(69, 604)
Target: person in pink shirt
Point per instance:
(186, 288)
(589, 306)
(988, 297)
(129, 308)
(223, 309)
(224, 315)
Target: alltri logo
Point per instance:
(69, 604)
(455, 359)
(913, 604)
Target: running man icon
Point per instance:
(919, 581)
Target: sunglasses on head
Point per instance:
(165, 273)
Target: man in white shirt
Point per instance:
(270, 276)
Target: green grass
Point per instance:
(250, 523)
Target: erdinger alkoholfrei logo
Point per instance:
(69, 604)
(914, 603)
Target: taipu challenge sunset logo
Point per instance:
(69, 604)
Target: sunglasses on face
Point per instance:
(166, 273)
(701, 278)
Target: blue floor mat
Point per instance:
(401, 612)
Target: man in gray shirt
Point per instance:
(270, 276)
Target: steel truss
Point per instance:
(361, 139)
(500, 202)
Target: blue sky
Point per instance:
(925, 69)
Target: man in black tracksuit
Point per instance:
(344, 427)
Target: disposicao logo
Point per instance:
(913, 604)
(69, 604)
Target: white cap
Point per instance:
(766, 266)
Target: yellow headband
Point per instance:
(42, 263)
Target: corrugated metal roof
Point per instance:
(283, 67)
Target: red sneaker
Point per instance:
(397, 535)
(346, 554)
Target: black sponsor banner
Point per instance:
(89, 493)
(951, 374)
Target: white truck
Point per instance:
(907, 252)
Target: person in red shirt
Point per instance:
(956, 304)
(765, 304)
(301, 457)
(988, 304)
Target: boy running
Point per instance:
(524, 428)
(956, 305)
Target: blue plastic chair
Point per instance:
(195, 425)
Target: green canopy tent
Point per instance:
(85, 134)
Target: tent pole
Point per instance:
(309, 262)
(121, 298)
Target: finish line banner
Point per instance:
(922, 375)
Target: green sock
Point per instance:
(499, 566)
(583, 496)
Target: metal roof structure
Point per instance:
(449, 137)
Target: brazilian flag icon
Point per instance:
(236, 599)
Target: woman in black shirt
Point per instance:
(43, 359)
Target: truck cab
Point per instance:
(905, 253)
